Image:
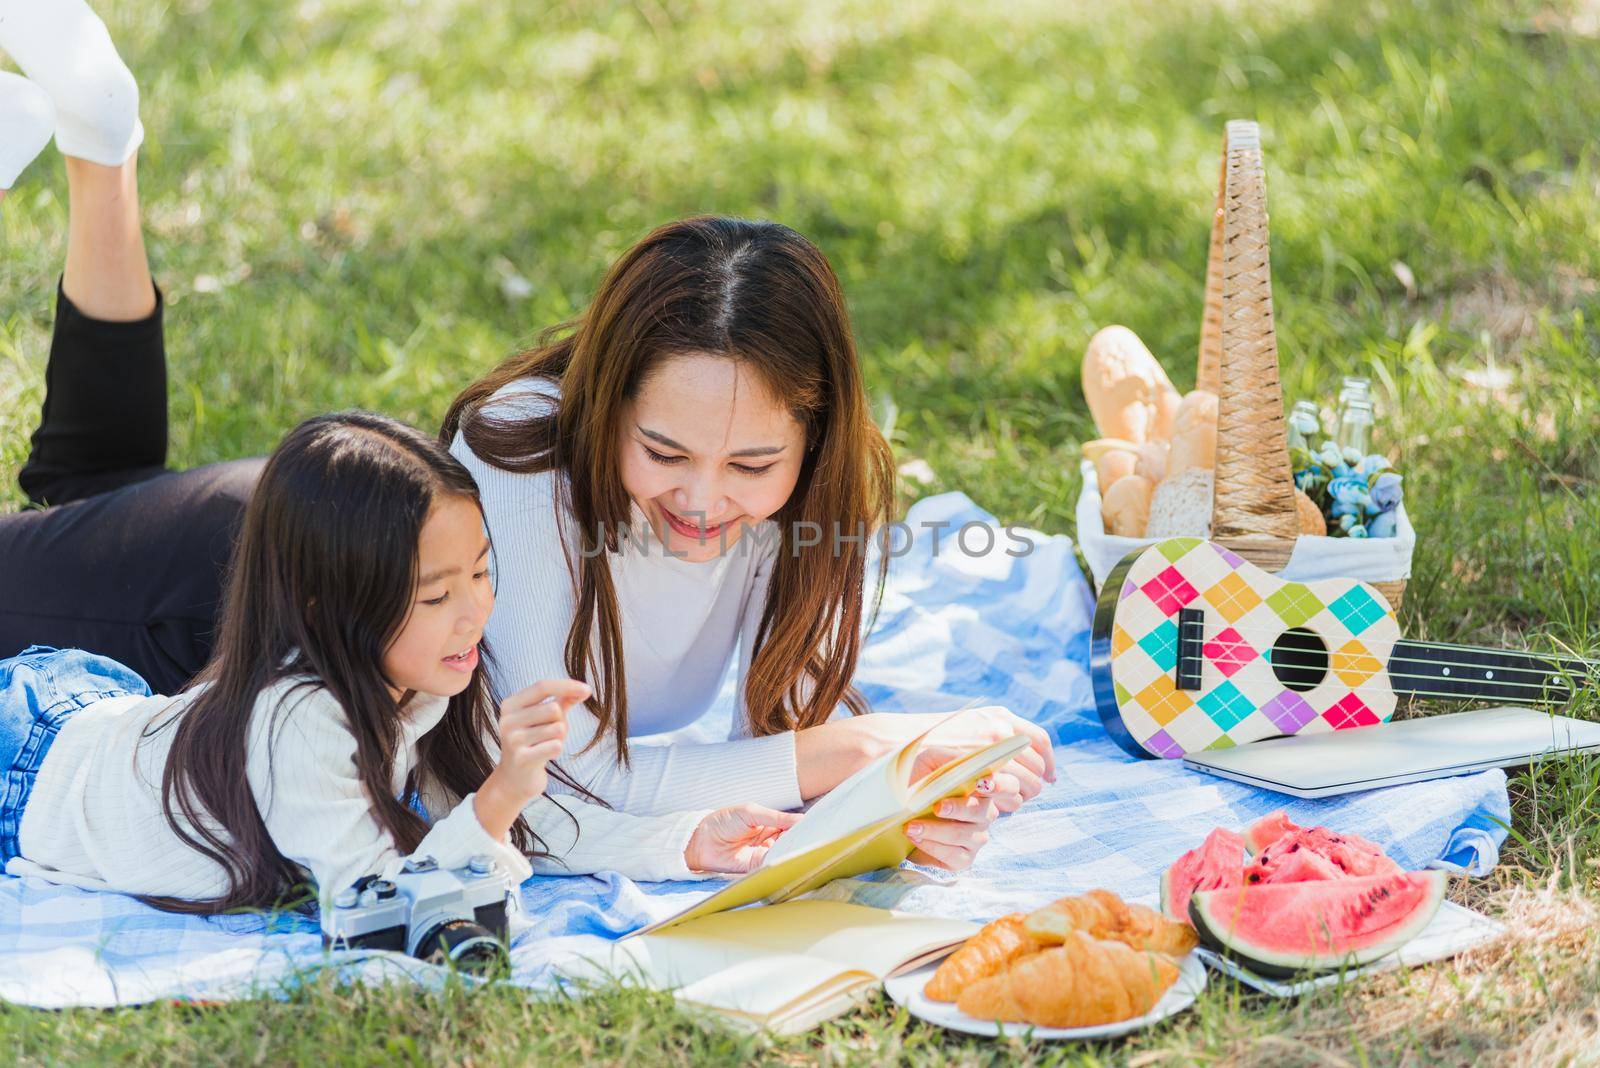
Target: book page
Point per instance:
(725, 975)
(855, 937)
(874, 793)
(947, 778)
(770, 989)
(866, 797)
(767, 962)
(868, 847)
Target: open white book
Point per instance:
(858, 826)
(789, 965)
(784, 968)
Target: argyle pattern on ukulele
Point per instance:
(1246, 611)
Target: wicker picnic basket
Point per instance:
(1253, 510)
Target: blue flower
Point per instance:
(1373, 464)
(1383, 525)
(1351, 457)
(1328, 455)
(1357, 531)
(1347, 489)
(1387, 492)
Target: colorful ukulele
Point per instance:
(1194, 648)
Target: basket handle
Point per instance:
(1253, 512)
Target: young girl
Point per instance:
(348, 679)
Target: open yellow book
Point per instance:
(789, 965)
(858, 826)
(783, 968)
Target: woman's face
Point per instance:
(706, 451)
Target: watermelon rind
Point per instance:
(1212, 912)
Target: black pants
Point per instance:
(124, 558)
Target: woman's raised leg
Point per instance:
(127, 560)
(104, 421)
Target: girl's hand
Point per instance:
(831, 752)
(533, 725)
(736, 839)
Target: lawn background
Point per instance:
(365, 203)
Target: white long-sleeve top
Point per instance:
(680, 621)
(95, 819)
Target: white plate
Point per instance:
(907, 990)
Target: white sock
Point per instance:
(27, 119)
(64, 48)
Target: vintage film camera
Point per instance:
(445, 916)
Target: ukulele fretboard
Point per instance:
(1426, 669)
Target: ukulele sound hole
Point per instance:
(1299, 659)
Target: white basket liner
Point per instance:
(1315, 556)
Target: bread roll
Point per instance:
(1194, 435)
(1167, 412)
(1153, 461)
(1125, 507)
(1128, 392)
(1311, 520)
(1115, 463)
(1093, 450)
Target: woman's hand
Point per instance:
(736, 839)
(533, 726)
(831, 752)
(959, 826)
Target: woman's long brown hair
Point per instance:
(322, 581)
(758, 293)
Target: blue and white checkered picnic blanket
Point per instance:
(955, 624)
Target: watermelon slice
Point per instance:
(1214, 863)
(1280, 847)
(1291, 866)
(1266, 830)
(1272, 828)
(1279, 930)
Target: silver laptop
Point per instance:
(1410, 750)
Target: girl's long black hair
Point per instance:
(322, 581)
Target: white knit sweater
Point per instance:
(95, 816)
(680, 623)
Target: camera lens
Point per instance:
(469, 946)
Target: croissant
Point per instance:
(1102, 914)
(1083, 982)
(992, 948)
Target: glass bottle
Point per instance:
(1352, 388)
(1356, 387)
(1355, 426)
(1305, 425)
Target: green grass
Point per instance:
(338, 190)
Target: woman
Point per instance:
(698, 443)
(709, 339)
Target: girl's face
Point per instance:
(436, 651)
(706, 450)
